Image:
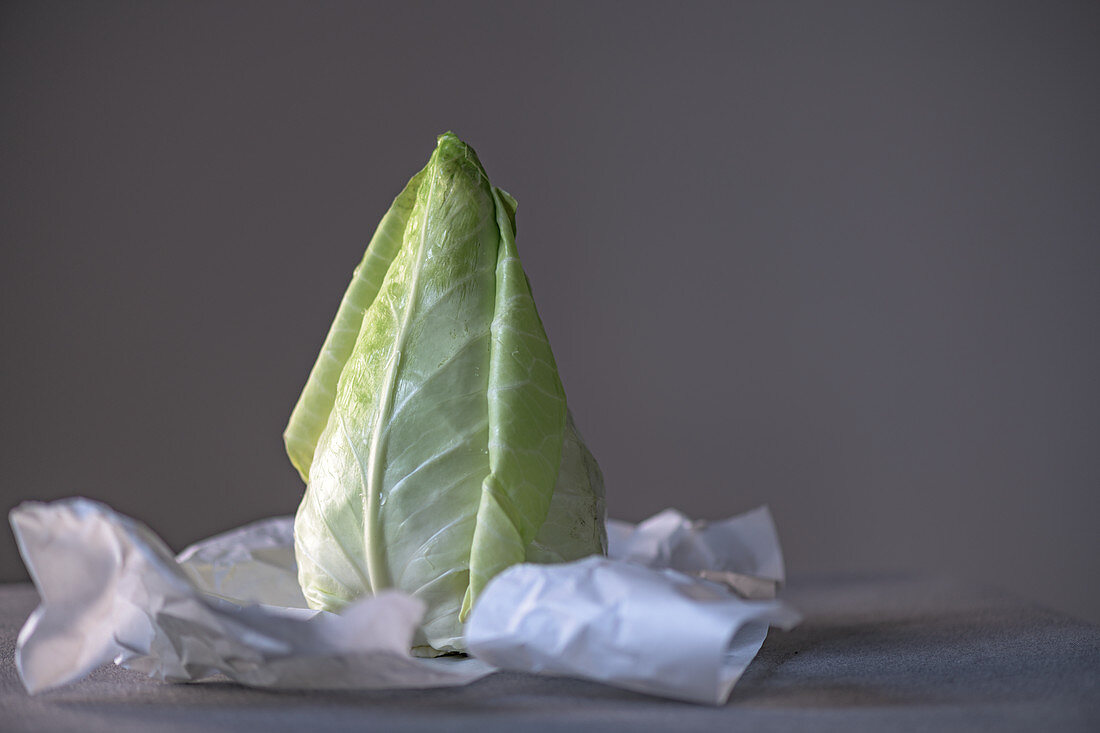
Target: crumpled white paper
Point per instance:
(111, 589)
(741, 552)
(666, 613)
(637, 619)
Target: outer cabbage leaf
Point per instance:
(311, 413)
(441, 459)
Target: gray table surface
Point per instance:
(874, 653)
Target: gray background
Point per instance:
(837, 257)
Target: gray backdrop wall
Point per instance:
(841, 258)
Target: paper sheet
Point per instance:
(664, 614)
(660, 632)
(112, 590)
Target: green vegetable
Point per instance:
(433, 431)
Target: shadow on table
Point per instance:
(986, 657)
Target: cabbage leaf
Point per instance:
(433, 432)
